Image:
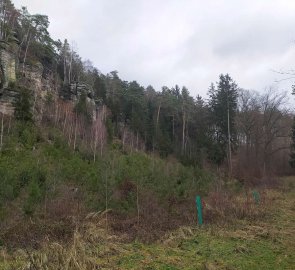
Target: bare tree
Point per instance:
(273, 110)
(249, 109)
(263, 124)
(98, 132)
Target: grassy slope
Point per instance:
(265, 244)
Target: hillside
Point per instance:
(264, 241)
(97, 172)
(43, 178)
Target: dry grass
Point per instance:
(227, 207)
(264, 242)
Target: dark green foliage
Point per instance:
(223, 108)
(36, 190)
(23, 105)
(37, 172)
(135, 107)
(110, 130)
(82, 107)
(28, 135)
(100, 87)
(49, 99)
(170, 122)
(217, 152)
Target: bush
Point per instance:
(36, 191)
(166, 180)
(34, 197)
(28, 135)
(23, 105)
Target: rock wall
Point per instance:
(8, 67)
(32, 77)
(7, 97)
(8, 76)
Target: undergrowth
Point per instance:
(45, 180)
(266, 243)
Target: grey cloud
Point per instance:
(187, 42)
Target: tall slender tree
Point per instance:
(223, 106)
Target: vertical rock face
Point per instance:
(8, 76)
(7, 97)
(8, 67)
(41, 85)
(77, 89)
(33, 74)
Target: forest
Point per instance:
(94, 169)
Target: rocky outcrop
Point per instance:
(78, 88)
(32, 77)
(8, 68)
(7, 79)
(74, 90)
(7, 98)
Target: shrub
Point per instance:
(28, 134)
(23, 105)
(34, 197)
(36, 191)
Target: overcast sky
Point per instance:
(185, 42)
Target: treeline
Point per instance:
(243, 131)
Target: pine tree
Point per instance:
(23, 105)
(223, 106)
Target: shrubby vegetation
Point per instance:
(97, 155)
(31, 164)
(233, 127)
(118, 145)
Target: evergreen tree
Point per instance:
(82, 107)
(99, 86)
(223, 107)
(23, 105)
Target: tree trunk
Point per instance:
(26, 52)
(183, 131)
(2, 130)
(26, 37)
(9, 125)
(75, 135)
(137, 141)
(123, 139)
(137, 203)
(101, 143)
(70, 66)
(173, 126)
(157, 121)
(65, 122)
(229, 139)
(65, 69)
